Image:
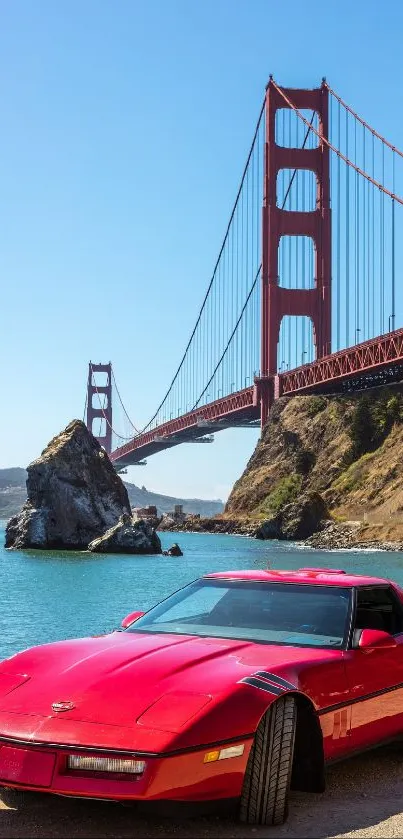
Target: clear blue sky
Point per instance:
(124, 129)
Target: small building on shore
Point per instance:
(145, 512)
(177, 513)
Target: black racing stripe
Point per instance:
(259, 683)
(276, 679)
(355, 699)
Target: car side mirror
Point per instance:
(133, 616)
(375, 639)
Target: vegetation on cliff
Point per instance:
(345, 449)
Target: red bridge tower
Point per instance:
(94, 409)
(277, 301)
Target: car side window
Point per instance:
(379, 608)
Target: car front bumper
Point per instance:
(180, 777)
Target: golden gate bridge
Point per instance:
(304, 296)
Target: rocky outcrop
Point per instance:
(174, 550)
(128, 536)
(73, 495)
(296, 520)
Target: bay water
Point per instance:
(49, 595)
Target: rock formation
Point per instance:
(174, 550)
(129, 536)
(296, 520)
(73, 495)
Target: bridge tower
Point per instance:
(94, 409)
(278, 301)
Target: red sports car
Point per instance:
(237, 687)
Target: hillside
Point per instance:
(13, 494)
(12, 491)
(344, 451)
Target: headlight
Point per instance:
(106, 764)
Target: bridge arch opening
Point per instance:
(99, 427)
(100, 378)
(290, 130)
(296, 345)
(296, 190)
(98, 400)
(296, 262)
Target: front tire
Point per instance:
(16, 798)
(264, 798)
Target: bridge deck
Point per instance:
(368, 364)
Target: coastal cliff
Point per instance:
(337, 457)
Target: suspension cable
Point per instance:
(230, 338)
(121, 402)
(85, 406)
(362, 121)
(254, 282)
(215, 268)
(324, 139)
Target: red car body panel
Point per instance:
(169, 699)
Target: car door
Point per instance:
(375, 676)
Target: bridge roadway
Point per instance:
(370, 364)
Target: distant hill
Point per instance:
(13, 495)
(14, 477)
(12, 491)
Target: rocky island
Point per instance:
(75, 500)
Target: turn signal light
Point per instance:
(105, 764)
(222, 754)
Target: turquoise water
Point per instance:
(46, 596)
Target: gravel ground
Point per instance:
(364, 798)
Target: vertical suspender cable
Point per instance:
(288, 358)
(393, 243)
(373, 239)
(284, 276)
(303, 267)
(356, 244)
(382, 251)
(245, 324)
(347, 309)
(338, 235)
(364, 335)
(85, 408)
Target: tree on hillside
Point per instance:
(362, 431)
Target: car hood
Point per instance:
(159, 682)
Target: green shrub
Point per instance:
(316, 405)
(371, 423)
(304, 461)
(285, 491)
(354, 476)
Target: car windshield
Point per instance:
(275, 613)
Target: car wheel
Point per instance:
(16, 798)
(267, 779)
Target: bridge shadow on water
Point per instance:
(363, 799)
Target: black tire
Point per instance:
(16, 798)
(264, 798)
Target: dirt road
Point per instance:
(364, 798)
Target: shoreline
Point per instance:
(333, 536)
